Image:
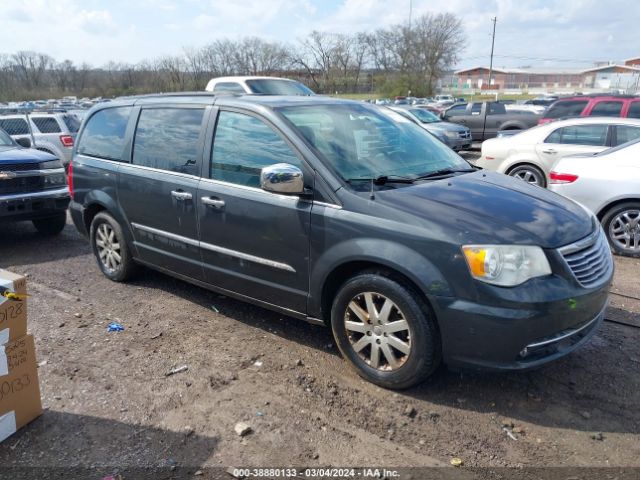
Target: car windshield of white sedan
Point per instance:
(368, 142)
(425, 116)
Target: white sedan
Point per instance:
(608, 184)
(529, 155)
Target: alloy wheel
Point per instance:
(378, 331)
(108, 247)
(528, 175)
(624, 230)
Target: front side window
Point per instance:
(634, 110)
(233, 87)
(46, 124)
(595, 135)
(5, 139)
(366, 142)
(242, 146)
(606, 109)
(626, 133)
(569, 108)
(476, 108)
(14, 126)
(274, 86)
(104, 134)
(167, 139)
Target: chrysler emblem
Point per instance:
(7, 175)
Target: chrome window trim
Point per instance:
(245, 187)
(160, 170)
(328, 205)
(57, 193)
(215, 248)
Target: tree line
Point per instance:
(391, 61)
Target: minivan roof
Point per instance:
(209, 98)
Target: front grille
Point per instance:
(18, 167)
(465, 134)
(589, 259)
(21, 185)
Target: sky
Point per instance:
(538, 33)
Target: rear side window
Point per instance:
(72, 122)
(14, 126)
(476, 108)
(606, 109)
(634, 110)
(570, 108)
(242, 146)
(46, 124)
(167, 138)
(595, 135)
(104, 135)
(228, 87)
(626, 133)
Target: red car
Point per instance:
(593, 106)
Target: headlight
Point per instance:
(452, 134)
(55, 180)
(50, 164)
(506, 265)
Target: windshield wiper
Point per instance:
(382, 179)
(445, 172)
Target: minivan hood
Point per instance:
(490, 207)
(12, 154)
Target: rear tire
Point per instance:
(51, 226)
(621, 224)
(530, 174)
(386, 331)
(110, 248)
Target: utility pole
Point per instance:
(493, 41)
(410, 12)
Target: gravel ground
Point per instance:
(109, 399)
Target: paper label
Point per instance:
(7, 425)
(4, 364)
(4, 336)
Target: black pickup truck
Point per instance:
(33, 186)
(486, 119)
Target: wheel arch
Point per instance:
(614, 203)
(98, 201)
(400, 262)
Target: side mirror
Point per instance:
(282, 178)
(24, 142)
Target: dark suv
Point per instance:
(33, 186)
(347, 214)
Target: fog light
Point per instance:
(524, 352)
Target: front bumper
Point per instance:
(33, 205)
(495, 338)
(459, 143)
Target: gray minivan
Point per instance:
(345, 214)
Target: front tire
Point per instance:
(622, 227)
(386, 331)
(530, 174)
(110, 248)
(51, 226)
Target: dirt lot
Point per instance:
(109, 401)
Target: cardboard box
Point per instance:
(19, 389)
(13, 312)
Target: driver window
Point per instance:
(242, 146)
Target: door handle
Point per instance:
(180, 195)
(551, 151)
(212, 202)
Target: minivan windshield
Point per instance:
(369, 142)
(275, 86)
